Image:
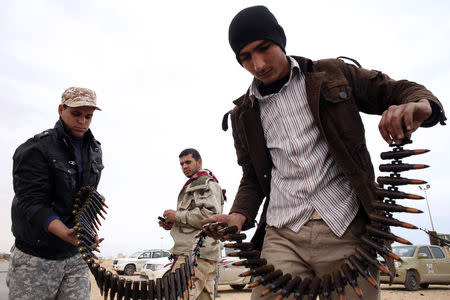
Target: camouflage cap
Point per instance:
(76, 97)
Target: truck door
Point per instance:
(442, 264)
(427, 268)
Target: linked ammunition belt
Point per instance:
(88, 207)
(375, 241)
(176, 284)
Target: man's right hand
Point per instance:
(234, 219)
(400, 121)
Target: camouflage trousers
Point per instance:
(203, 281)
(32, 277)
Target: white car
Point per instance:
(228, 274)
(137, 260)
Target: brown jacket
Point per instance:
(337, 92)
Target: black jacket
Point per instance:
(46, 178)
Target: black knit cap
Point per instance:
(252, 24)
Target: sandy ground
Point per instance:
(393, 292)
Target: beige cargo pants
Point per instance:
(313, 251)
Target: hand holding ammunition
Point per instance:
(234, 219)
(400, 121)
(58, 228)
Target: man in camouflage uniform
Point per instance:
(48, 170)
(200, 198)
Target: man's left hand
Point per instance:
(400, 121)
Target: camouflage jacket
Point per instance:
(198, 200)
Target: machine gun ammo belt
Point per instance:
(175, 285)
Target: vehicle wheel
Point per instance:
(237, 286)
(129, 270)
(424, 285)
(411, 282)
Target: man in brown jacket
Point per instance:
(300, 142)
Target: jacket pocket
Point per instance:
(336, 91)
(186, 203)
(66, 174)
(201, 196)
(96, 168)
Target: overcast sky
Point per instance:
(164, 75)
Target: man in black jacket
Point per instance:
(48, 170)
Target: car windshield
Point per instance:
(404, 251)
(135, 254)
